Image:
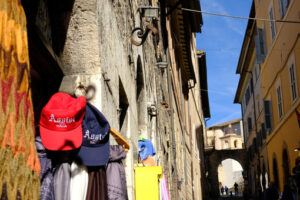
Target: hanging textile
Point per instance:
(97, 186)
(47, 172)
(19, 172)
(62, 178)
(79, 182)
(163, 189)
(115, 172)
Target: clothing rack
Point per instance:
(120, 139)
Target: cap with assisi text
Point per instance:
(95, 144)
(60, 122)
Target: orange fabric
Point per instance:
(19, 163)
(149, 162)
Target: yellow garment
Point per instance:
(147, 182)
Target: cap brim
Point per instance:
(94, 156)
(61, 140)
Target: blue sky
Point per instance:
(222, 39)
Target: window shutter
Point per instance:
(260, 45)
(262, 42)
(286, 4)
(281, 8)
(268, 114)
(259, 138)
(263, 131)
(259, 58)
(249, 124)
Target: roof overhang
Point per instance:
(203, 83)
(184, 25)
(246, 52)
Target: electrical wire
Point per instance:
(239, 17)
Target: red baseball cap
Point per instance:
(60, 122)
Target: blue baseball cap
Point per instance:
(95, 146)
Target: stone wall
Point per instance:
(90, 41)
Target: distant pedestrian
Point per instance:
(236, 188)
(222, 190)
(271, 193)
(226, 190)
(287, 193)
(246, 192)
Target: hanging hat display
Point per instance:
(60, 122)
(95, 146)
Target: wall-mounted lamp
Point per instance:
(162, 64)
(149, 11)
(152, 111)
(297, 149)
(191, 84)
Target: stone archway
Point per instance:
(213, 158)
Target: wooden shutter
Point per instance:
(268, 114)
(260, 45)
(249, 124)
(263, 131)
(281, 9)
(286, 4)
(259, 58)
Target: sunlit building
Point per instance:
(278, 53)
(226, 136)
(268, 91)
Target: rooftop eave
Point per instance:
(249, 31)
(203, 83)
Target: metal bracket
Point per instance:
(142, 34)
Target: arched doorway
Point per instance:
(285, 164)
(230, 172)
(213, 159)
(275, 171)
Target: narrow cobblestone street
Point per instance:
(228, 197)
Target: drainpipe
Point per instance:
(173, 143)
(182, 123)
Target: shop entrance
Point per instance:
(45, 73)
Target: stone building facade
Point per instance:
(225, 156)
(148, 87)
(227, 135)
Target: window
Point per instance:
(260, 45)
(247, 95)
(258, 106)
(263, 131)
(293, 82)
(256, 72)
(283, 6)
(268, 114)
(272, 23)
(226, 144)
(123, 104)
(235, 143)
(249, 124)
(279, 101)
